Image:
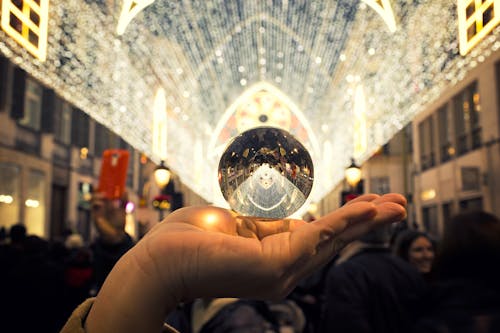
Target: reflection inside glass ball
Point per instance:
(265, 172)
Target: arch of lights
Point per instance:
(348, 68)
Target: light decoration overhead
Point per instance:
(476, 19)
(26, 22)
(207, 54)
(384, 9)
(360, 141)
(130, 8)
(160, 128)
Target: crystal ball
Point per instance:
(265, 172)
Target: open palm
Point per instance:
(220, 254)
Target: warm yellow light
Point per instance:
(84, 152)
(5, 198)
(313, 208)
(473, 29)
(428, 194)
(360, 135)
(451, 151)
(160, 124)
(29, 25)
(32, 203)
(210, 219)
(353, 174)
(162, 175)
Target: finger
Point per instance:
(337, 221)
(364, 197)
(391, 197)
(315, 243)
(387, 212)
(375, 198)
(266, 227)
(305, 240)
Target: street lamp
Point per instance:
(162, 175)
(162, 178)
(353, 174)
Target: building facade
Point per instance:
(448, 159)
(50, 155)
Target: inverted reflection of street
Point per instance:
(267, 193)
(266, 172)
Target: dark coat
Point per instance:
(462, 305)
(373, 291)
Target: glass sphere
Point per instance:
(265, 172)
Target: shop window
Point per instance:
(32, 105)
(426, 133)
(467, 108)
(34, 203)
(430, 219)
(9, 194)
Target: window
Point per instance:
(447, 212)
(130, 170)
(105, 139)
(9, 194)
(446, 146)
(32, 105)
(80, 125)
(62, 123)
(379, 185)
(430, 219)
(35, 203)
(408, 134)
(476, 19)
(467, 126)
(426, 132)
(27, 23)
(4, 66)
(471, 204)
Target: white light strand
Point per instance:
(205, 54)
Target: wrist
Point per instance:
(132, 299)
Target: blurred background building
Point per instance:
(408, 89)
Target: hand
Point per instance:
(211, 252)
(109, 217)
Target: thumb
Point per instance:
(315, 243)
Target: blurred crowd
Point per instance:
(394, 279)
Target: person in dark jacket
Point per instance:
(370, 290)
(465, 297)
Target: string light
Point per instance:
(205, 54)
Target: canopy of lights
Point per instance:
(179, 79)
